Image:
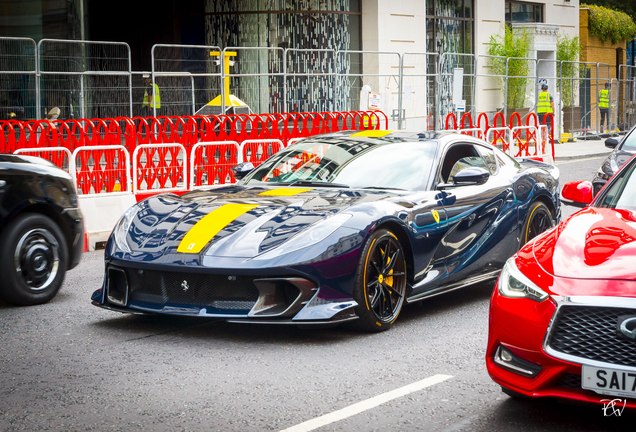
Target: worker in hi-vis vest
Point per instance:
(545, 105)
(604, 104)
(154, 102)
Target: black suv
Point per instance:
(41, 229)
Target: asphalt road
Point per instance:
(70, 366)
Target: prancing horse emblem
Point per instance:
(185, 285)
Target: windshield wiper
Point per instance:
(383, 188)
(312, 183)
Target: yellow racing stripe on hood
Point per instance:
(209, 226)
(284, 192)
(372, 133)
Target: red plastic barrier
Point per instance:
(451, 116)
(213, 163)
(185, 130)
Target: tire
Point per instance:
(380, 297)
(539, 220)
(33, 260)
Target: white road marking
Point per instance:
(365, 405)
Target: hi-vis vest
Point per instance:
(157, 101)
(544, 106)
(603, 99)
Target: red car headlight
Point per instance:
(514, 284)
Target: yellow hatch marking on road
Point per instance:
(372, 133)
(209, 226)
(284, 192)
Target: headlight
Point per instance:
(123, 226)
(311, 236)
(602, 175)
(513, 283)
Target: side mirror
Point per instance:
(242, 169)
(611, 143)
(577, 194)
(471, 176)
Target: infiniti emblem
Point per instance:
(185, 285)
(628, 327)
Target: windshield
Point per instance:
(349, 162)
(630, 142)
(622, 193)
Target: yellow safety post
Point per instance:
(226, 68)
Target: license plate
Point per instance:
(614, 382)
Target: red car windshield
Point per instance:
(622, 193)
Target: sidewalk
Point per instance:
(581, 149)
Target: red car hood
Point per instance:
(595, 243)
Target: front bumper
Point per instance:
(279, 295)
(521, 326)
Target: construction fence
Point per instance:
(93, 80)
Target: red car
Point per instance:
(563, 312)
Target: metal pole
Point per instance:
(152, 76)
(440, 79)
(285, 80)
(505, 102)
(82, 105)
(130, 78)
(400, 89)
(38, 84)
(474, 92)
(193, 103)
(536, 86)
(222, 66)
(560, 81)
(598, 112)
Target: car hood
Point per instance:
(239, 221)
(595, 243)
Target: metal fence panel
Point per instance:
(257, 77)
(419, 82)
(85, 79)
(364, 72)
(310, 80)
(188, 77)
(449, 66)
(18, 98)
(626, 95)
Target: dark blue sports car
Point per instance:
(335, 228)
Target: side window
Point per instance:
(489, 157)
(459, 156)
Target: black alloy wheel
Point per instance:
(33, 259)
(539, 220)
(380, 287)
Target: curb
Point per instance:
(581, 156)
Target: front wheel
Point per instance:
(539, 220)
(33, 259)
(380, 285)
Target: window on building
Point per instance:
(449, 26)
(523, 12)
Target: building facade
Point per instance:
(338, 51)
